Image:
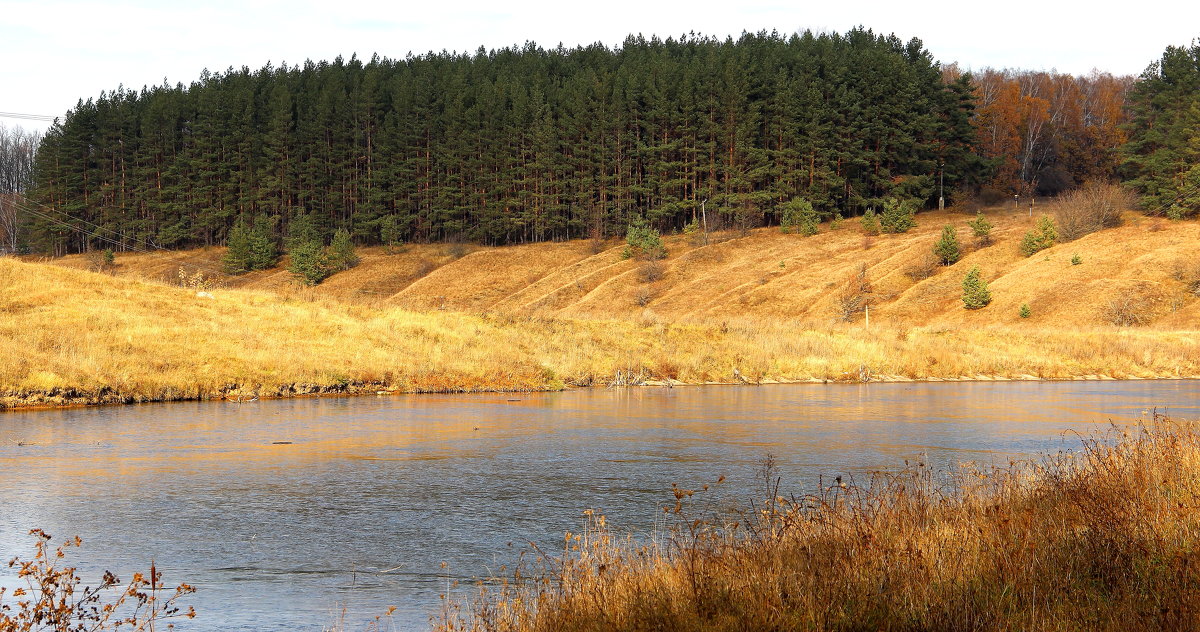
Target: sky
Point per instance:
(56, 52)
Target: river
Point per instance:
(285, 513)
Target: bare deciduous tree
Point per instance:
(17, 150)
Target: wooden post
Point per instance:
(867, 311)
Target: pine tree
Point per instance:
(644, 242)
(946, 248)
(263, 249)
(309, 261)
(1165, 123)
(870, 222)
(341, 251)
(1039, 239)
(897, 216)
(389, 232)
(238, 255)
(981, 228)
(975, 291)
(799, 215)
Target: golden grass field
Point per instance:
(759, 307)
(1104, 538)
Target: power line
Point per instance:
(26, 202)
(28, 117)
(25, 207)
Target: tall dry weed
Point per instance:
(1101, 538)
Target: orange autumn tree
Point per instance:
(1047, 132)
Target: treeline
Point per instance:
(1045, 132)
(518, 144)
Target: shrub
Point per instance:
(456, 250)
(264, 251)
(870, 222)
(923, 268)
(975, 291)
(1090, 208)
(898, 216)
(855, 295)
(1188, 273)
(643, 296)
(237, 253)
(1040, 238)
(946, 248)
(1024, 311)
(1125, 311)
(836, 222)
(651, 271)
(644, 242)
(981, 228)
(991, 196)
(196, 281)
(101, 260)
(1076, 259)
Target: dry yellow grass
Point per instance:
(69, 336)
(754, 308)
(766, 275)
(1106, 539)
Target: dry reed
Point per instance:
(1104, 538)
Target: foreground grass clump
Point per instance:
(1105, 538)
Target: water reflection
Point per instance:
(279, 510)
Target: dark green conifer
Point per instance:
(946, 248)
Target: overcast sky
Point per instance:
(55, 52)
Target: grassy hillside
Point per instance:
(753, 308)
(765, 274)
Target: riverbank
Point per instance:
(1103, 538)
(71, 337)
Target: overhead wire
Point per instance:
(25, 207)
(93, 225)
(28, 117)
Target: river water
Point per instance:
(285, 513)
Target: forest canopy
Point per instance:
(511, 145)
(1162, 157)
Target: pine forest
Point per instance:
(529, 144)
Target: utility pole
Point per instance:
(941, 191)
